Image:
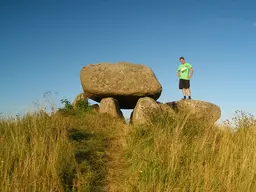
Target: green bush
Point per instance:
(80, 107)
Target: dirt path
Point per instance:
(116, 163)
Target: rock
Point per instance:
(94, 107)
(197, 110)
(80, 97)
(192, 110)
(111, 107)
(147, 110)
(165, 109)
(172, 104)
(123, 81)
(144, 111)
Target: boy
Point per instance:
(184, 73)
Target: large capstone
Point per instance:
(126, 82)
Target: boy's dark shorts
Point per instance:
(184, 84)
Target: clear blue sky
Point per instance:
(44, 44)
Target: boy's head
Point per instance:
(182, 60)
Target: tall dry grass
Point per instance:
(173, 156)
(63, 152)
(79, 150)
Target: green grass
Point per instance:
(81, 150)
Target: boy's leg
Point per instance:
(189, 93)
(181, 86)
(184, 93)
(188, 90)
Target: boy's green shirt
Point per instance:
(184, 70)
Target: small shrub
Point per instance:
(80, 107)
(67, 105)
(82, 104)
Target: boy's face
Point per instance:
(182, 61)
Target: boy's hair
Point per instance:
(182, 58)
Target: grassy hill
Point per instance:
(81, 150)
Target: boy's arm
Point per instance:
(191, 72)
(178, 72)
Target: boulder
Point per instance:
(145, 110)
(197, 110)
(126, 82)
(111, 107)
(167, 111)
(80, 97)
(148, 110)
(94, 107)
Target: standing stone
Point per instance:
(145, 111)
(148, 109)
(124, 81)
(111, 107)
(80, 97)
